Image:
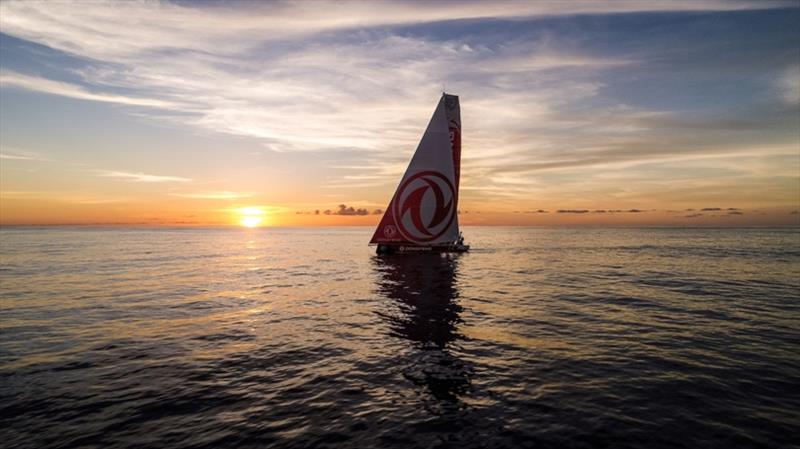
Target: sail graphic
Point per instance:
(424, 208)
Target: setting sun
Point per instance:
(251, 216)
(251, 222)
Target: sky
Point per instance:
(306, 113)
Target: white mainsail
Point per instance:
(424, 208)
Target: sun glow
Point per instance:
(251, 222)
(251, 217)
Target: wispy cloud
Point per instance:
(12, 79)
(71, 197)
(140, 177)
(217, 195)
(216, 71)
(105, 30)
(788, 84)
(15, 154)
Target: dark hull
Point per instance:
(413, 249)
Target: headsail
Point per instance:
(424, 208)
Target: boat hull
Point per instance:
(421, 249)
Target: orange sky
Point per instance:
(177, 213)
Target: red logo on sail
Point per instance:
(424, 206)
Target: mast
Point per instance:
(424, 208)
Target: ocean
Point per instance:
(303, 338)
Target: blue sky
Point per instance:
(204, 107)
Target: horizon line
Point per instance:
(234, 226)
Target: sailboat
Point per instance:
(423, 213)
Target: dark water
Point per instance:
(542, 338)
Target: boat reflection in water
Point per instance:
(423, 308)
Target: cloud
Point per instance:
(216, 71)
(735, 212)
(64, 196)
(345, 210)
(10, 78)
(15, 154)
(213, 67)
(105, 30)
(788, 84)
(596, 211)
(693, 215)
(140, 177)
(217, 195)
(708, 209)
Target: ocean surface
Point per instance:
(303, 338)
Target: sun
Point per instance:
(251, 222)
(251, 217)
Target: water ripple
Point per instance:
(545, 338)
